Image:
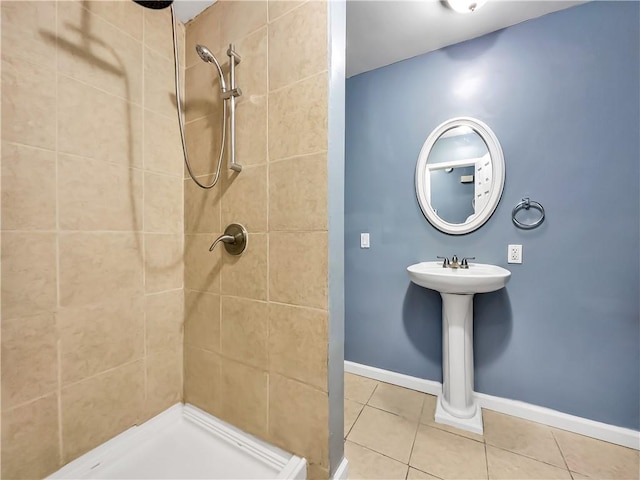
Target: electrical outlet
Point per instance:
(514, 254)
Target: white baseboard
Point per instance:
(342, 472)
(546, 416)
(400, 379)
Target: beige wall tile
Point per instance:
(203, 95)
(298, 268)
(298, 118)
(251, 130)
(317, 472)
(99, 267)
(298, 193)
(358, 388)
(244, 397)
(203, 144)
(385, 433)
(159, 84)
(204, 30)
(521, 436)
(244, 330)
(28, 104)
(401, 401)
(244, 198)
(201, 208)
(507, 466)
(100, 407)
(252, 73)
(245, 275)
(202, 267)
(597, 459)
(164, 381)
(96, 338)
(368, 465)
(111, 61)
(125, 15)
(306, 432)
(162, 144)
(439, 453)
(202, 384)
(158, 33)
(28, 274)
(202, 320)
(298, 343)
(280, 7)
(114, 135)
(25, 207)
(298, 44)
(241, 18)
(29, 358)
(23, 23)
(164, 314)
(30, 446)
(95, 195)
(163, 199)
(164, 262)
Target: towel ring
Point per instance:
(527, 204)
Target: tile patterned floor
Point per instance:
(390, 434)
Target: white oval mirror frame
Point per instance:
(423, 180)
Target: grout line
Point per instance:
(486, 459)
(292, 84)
(58, 297)
(145, 385)
(300, 156)
(561, 452)
(274, 19)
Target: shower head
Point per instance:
(208, 57)
(154, 4)
(205, 54)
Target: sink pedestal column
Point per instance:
(457, 405)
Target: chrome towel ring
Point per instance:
(527, 204)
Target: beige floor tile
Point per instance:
(441, 453)
(521, 436)
(401, 401)
(367, 464)
(358, 388)
(415, 474)
(506, 465)
(597, 459)
(428, 418)
(579, 476)
(385, 433)
(351, 412)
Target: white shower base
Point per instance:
(185, 442)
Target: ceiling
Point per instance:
(380, 33)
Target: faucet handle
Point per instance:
(465, 263)
(445, 262)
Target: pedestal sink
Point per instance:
(457, 286)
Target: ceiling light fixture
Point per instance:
(465, 6)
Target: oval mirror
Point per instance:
(460, 175)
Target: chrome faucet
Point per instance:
(454, 263)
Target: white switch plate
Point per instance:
(514, 254)
(364, 240)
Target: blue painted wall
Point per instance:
(562, 94)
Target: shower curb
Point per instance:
(107, 454)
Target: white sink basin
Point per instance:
(478, 278)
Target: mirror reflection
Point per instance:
(459, 172)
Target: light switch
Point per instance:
(364, 240)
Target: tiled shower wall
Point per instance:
(256, 325)
(92, 227)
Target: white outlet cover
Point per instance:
(514, 254)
